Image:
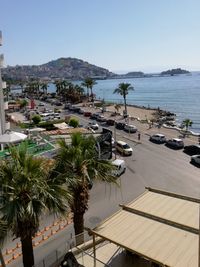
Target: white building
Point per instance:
(3, 105)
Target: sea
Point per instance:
(179, 94)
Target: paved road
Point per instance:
(150, 165)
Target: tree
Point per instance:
(187, 123)
(3, 233)
(80, 165)
(123, 89)
(23, 103)
(36, 119)
(117, 107)
(89, 83)
(73, 122)
(44, 88)
(27, 191)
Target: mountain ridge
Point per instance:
(68, 68)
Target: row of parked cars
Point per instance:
(100, 118)
(177, 143)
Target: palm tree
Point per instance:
(187, 123)
(123, 89)
(89, 83)
(80, 164)
(117, 107)
(3, 233)
(58, 85)
(44, 87)
(27, 191)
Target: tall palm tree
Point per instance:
(79, 164)
(58, 85)
(3, 233)
(187, 123)
(89, 83)
(44, 88)
(27, 191)
(123, 89)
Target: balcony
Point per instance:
(7, 126)
(3, 85)
(6, 105)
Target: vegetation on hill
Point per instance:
(68, 68)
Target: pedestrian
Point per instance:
(139, 135)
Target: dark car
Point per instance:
(120, 125)
(192, 150)
(87, 114)
(94, 116)
(175, 143)
(110, 122)
(57, 103)
(76, 109)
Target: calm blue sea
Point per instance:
(179, 94)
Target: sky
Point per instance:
(120, 35)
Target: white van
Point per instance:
(120, 167)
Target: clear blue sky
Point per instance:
(121, 35)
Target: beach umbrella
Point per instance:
(10, 137)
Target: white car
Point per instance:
(158, 138)
(123, 148)
(119, 167)
(93, 125)
(130, 128)
(195, 159)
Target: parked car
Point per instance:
(119, 167)
(57, 103)
(67, 106)
(192, 150)
(158, 138)
(123, 148)
(120, 125)
(175, 143)
(94, 116)
(110, 122)
(130, 128)
(41, 104)
(93, 125)
(195, 159)
(87, 114)
(101, 118)
(81, 111)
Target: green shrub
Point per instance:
(36, 119)
(73, 122)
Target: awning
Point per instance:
(160, 226)
(12, 137)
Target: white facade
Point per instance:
(2, 107)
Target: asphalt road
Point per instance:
(150, 165)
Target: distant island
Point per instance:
(62, 68)
(174, 72)
(134, 74)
